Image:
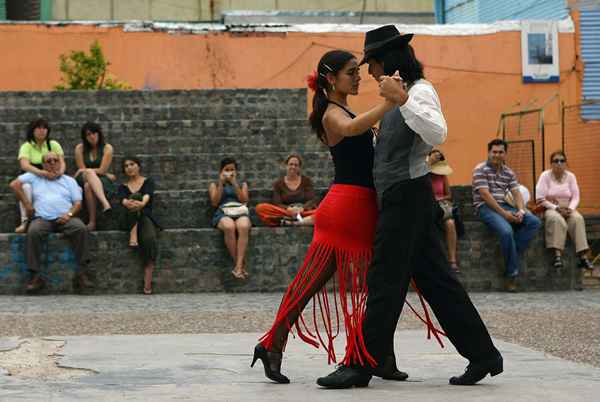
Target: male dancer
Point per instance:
(407, 245)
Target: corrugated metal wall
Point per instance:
(590, 52)
(2, 9)
(461, 11)
(458, 11)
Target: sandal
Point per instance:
(584, 263)
(147, 291)
(454, 267)
(558, 263)
(238, 274)
(133, 245)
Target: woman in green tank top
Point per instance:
(94, 158)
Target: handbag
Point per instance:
(234, 209)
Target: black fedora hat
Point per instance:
(384, 37)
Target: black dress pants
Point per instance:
(407, 245)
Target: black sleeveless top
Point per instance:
(353, 158)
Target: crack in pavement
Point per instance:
(36, 358)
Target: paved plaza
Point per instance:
(197, 347)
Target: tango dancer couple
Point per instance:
(375, 230)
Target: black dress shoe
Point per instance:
(476, 372)
(345, 377)
(389, 370)
(271, 363)
(35, 284)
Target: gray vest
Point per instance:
(400, 153)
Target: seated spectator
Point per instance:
(137, 195)
(93, 158)
(37, 144)
(56, 201)
(229, 197)
(558, 192)
(492, 181)
(294, 198)
(440, 170)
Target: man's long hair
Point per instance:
(404, 61)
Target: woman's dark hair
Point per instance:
(294, 155)
(404, 61)
(90, 127)
(331, 62)
(228, 161)
(133, 159)
(496, 142)
(38, 123)
(555, 153)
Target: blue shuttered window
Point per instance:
(485, 11)
(2, 9)
(590, 52)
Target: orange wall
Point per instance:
(478, 77)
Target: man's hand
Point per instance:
(434, 158)
(393, 89)
(510, 217)
(63, 219)
(519, 215)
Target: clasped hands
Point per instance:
(393, 89)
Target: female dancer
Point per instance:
(344, 226)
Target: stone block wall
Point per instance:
(180, 137)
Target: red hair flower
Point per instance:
(311, 79)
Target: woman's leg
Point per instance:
(133, 236)
(28, 193)
(243, 226)
(149, 250)
(451, 242)
(282, 329)
(227, 226)
(270, 214)
(93, 180)
(90, 204)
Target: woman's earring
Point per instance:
(333, 87)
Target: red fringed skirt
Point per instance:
(344, 232)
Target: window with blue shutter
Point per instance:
(590, 53)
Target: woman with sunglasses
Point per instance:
(558, 192)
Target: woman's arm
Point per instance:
(28, 167)
(106, 160)
(309, 194)
(215, 192)
(574, 187)
(447, 193)
(241, 192)
(337, 122)
(541, 191)
(278, 194)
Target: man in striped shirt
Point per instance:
(492, 181)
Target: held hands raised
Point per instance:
(393, 89)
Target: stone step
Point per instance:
(173, 209)
(195, 260)
(283, 102)
(181, 136)
(196, 171)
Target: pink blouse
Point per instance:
(548, 187)
(437, 183)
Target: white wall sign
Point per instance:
(539, 51)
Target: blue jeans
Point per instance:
(514, 238)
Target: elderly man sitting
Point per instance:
(56, 201)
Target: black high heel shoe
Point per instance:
(271, 362)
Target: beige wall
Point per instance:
(194, 10)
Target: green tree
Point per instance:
(82, 71)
